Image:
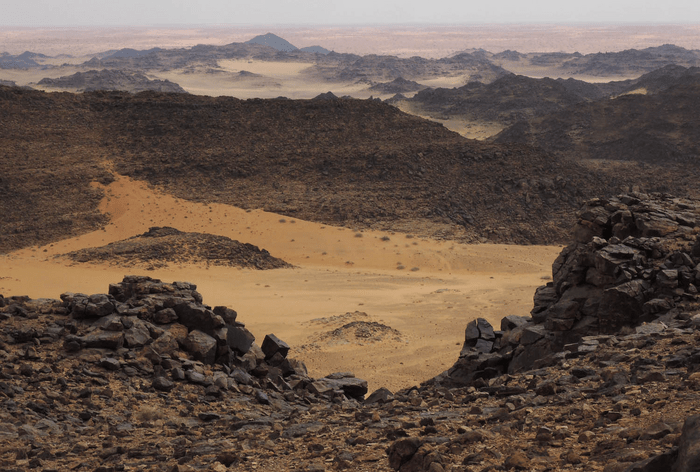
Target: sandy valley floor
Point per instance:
(427, 290)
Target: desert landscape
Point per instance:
(462, 249)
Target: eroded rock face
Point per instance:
(632, 261)
(635, 259)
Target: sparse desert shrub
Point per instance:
(149, 413)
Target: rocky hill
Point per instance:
(159, 247)
(398, 85)
(19, 61)
(513, 98)
(603, 377)
(107, 79)
(630, 62)
(505, 100)
(655, 128)
(358, 163)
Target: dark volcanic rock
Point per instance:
(599, 402)
(106, 79)
(689, 446)
(658, 129)
(160, 246)
(201, 345)
(389, 170)
(623, 269)
(273, 345)
(398, 85)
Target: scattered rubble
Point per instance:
(147, 377)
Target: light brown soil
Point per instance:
(337, 272)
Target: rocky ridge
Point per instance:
(357, 163)
(159, 247)
(106, 79)
(398, 85)
(653, 128)
(512, 98)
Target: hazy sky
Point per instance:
(335, 12)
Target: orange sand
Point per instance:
(337, 272)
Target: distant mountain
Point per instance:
(21, 61)
(112, 80)
(128, 52)
(398, 85)
(315, 50)
(273, 41)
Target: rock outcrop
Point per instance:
(107, 79)
(160, 246)
(635, 259)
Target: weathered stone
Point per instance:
(273, 345)
(544, 297)
(651, 227)
(240, 339)
(228, 315)
(166, 344)
(99, 305)
(197, 317)
(660, 463)
(165, 316)
(471, 333)
(381, 395)
(162, 384)
(201, 346)
(532, 334)
(351, 386)
(402, 451)
(110, 363)
(513, 321)
(518, 461)
(689, 446)
(621, 305)
(138, 335)
(111, 322)
(104, 340)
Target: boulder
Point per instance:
(104, 340)
(273, 345)
(240, 339)
(196, 316)
(201, 346)
(689, 446)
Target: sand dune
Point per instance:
(427, 290)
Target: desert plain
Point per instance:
(427, 290)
